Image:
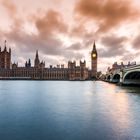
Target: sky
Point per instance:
(63, 30)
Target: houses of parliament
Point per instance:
(11, 71)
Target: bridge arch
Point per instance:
(108, 78)
(132, 77)
(116, 78)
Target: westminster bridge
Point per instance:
(126, 75)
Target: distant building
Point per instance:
(5, 58)
(78, 72)
(37, 63)
(40, 72)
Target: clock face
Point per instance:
(94, 55)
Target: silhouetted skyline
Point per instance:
(65, 30)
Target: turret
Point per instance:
(36, 53)
(26, 64)
(37, 61)
(29, 63)
(71, 64)
(68, 64)
(5, 57)
(62, 66)
(14, 65)
(83, 64)
(10, 50)
(5, 48)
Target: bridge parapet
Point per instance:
(132, 67)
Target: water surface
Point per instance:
(68, 110)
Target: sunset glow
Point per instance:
(65, 30)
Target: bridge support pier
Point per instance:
(121, 78)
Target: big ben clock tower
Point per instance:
(94, 57)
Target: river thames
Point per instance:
(68, 110)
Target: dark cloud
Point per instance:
(76, 46)
(136, 42)
(107, 13)
(51, 23)
(113, 46)
(113, 40)
(78, 31)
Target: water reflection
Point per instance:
(68, 110)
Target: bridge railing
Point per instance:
(132, 67)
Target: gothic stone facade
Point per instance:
(76, 73)
(40, 72)
(5, 58)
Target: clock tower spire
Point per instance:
(94, 57)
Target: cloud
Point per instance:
(51, 23)
(75, 46)
(78, 31)
(113, 46)
(113, 40)
(12, 12)
(107, 13)
(49, 26)
(10, 7)
(129, 57)
(59, 36)
(136, 42)
(57, 1)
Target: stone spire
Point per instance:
(36, 62)
(29, 62)
(5, 49)
(94, 46)
(37, 54)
